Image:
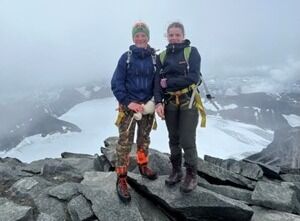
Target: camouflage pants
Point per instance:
(126, 136)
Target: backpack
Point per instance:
(153, 55)
(186, 53)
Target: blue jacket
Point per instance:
(134, 82)
(174, 69)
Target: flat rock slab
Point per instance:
(9, 211)
(100, 189)
(263, 214)
(245, 169)
(222, 176)
(278, 196)
(200, 204)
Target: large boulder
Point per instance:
(201, 204)
(278, 196)
(100, 189)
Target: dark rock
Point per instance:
(263, 214)
(65, 191)
(201, 204)
(229, 191)
(50, 206)
(12, 212)
(285, 147)
(218, 175)
(45, 217)
(245, 169)
(100, 189)
(79, 209)
(289, 170)
(278, 196)
(104, 165)
(111, 141)
(290, 177)
(76, 155)
(157, 160)
(268, 170)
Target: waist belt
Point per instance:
(198, 102)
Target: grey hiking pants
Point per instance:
(182, 123)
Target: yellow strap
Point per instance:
(120, 116)
(201, 109)
(198, 101)
(154, 124)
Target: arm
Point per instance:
(118, 81)
(158, 92)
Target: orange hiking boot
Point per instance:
(147, 172)
(142, 160)
(121, 185)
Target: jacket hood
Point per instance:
(141, 52)
(179, 46)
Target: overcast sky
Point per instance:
(56, 42)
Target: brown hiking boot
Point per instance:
(175, 176)
(147, 172)
(190, 180)
(122, 189)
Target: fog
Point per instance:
(45, 43)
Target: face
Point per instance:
(175, 35)
(140, 40)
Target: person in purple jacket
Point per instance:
(132, 85)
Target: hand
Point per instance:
(159, 109)
(163, 82)
(135, 107)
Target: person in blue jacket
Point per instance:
(132, 84)
(175, 81)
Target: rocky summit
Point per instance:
(83, 187)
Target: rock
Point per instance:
(111, 141)
(229, 191)
(290, 177)
(79, 209)
(157, 160)
(104, 164)
(50, 206)
(278, 196)
(29, 187)
(12, 212)
(218, 175)
(245, 169)
(65, 191)
(76, 155)
(263, 214)
(100, 189)
(45, 217)
(284, 151)
(269, 171)
(201, 204)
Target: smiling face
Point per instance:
(175, 35)
(140, 40)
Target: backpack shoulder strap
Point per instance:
(187, 52)
(129, 52)
(162, 56)
(153, 55)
